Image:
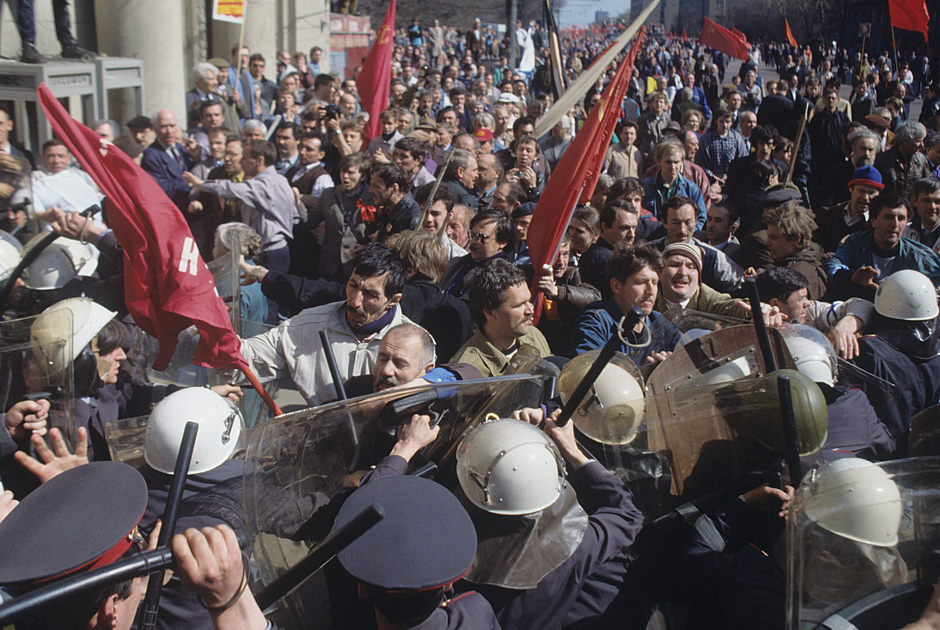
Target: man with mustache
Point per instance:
(501, 307)
(356, 328)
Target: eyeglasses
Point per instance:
(481, 237)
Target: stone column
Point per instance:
(152, 31)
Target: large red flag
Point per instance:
(911, 15)
(375, 79)
(721, 39)
(167, 286)
(789, 34)
(563, 189)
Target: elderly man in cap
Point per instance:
(680, 285)
(837, 222)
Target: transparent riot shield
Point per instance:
(37, 363)
(300, 467)
(227, 277)
(125, 439)
(694, 324)
(709, 421)
(862, 543)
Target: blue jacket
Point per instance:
(856, 252)
(168, 173)
(654, 201)
(598, 323)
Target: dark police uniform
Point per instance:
(613, 524)
(917, 378)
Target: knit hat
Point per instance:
(869, 176)
(689, 250)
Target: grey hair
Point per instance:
(428, 350)
(254, 125)
(115, 129)
(249, 243)
(461, 159)
(910, 131)
(201, 69)
(484, 119)
(863, 133)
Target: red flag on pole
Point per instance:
(167, 286)
(563, 189)
(721, 39)
(911, 15)
(375, 79)
(684, 36)
(789, 34)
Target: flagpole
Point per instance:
(895, 44)
(256, 383)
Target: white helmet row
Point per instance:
(220, 430)
(510, 467)
(907, 295)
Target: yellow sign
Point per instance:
(228, 10)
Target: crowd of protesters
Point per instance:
(712, 177)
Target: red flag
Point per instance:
(789, 34)
(167, 286)
(375, 79)
(684, 36)
(557, 202)
(911, 15)
(742, 36)
(721, 39)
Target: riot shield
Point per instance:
(693, 324)
(36, 361)
(705, 424)
(125, 439)
(862, 545)
(227, 277)
(300, 467)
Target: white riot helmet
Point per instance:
(62, 331)
(220, 427)
(10, 251)
(812, 352)
(510, 467)
(907, 295)
(614, 406)
(52, 268)
(854, 499)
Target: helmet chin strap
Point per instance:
(104, 366)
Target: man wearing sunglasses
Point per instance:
(491, 234)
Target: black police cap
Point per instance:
(425, 541)
(80, 519)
